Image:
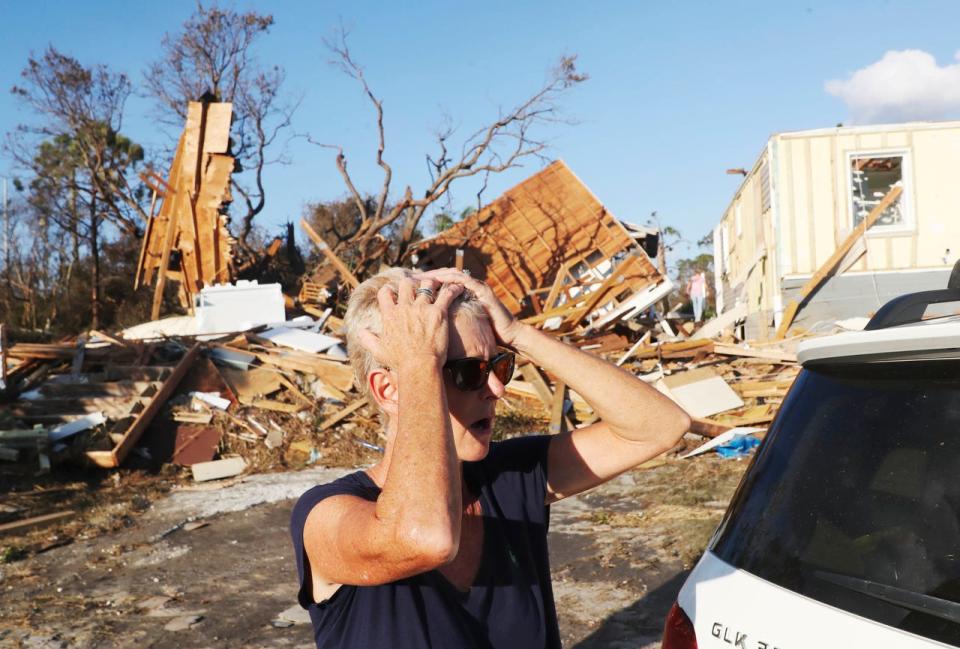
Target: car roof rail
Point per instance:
(910, 308)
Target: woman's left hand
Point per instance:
(505, 324)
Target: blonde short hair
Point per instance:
(363, 312)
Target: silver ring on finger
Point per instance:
(425, 291)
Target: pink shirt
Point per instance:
(697, 286)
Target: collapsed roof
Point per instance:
(550, 249)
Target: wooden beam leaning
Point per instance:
(167, 208)
(144, 243)
(113, 458)
(533, 376)
(829, 267)
(329, 254)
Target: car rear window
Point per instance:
(854, 497)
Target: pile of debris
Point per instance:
(236, 386)
(730, 389)
(266, 394)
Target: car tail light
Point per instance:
(678, 631)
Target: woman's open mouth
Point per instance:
(482, 426)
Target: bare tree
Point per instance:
(82, 108)
(82, 169)
(212, 57)
(499, 145)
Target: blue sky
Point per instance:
(679, 92)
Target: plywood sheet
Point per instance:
(701, 392)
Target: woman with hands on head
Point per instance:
(443, 543)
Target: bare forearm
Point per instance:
(421, 494)
(628, 406)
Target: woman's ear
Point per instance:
(383, 387)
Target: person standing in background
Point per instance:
(697, 290)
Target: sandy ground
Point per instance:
(213, 567)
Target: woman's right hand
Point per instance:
(414, 325)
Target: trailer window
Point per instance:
(872, 177)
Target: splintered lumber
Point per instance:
(27, 524)
(329, 254)
(334, 373)
(829, 267)
(343, 413)
(745, 352)
(130, 436)
(683, 349)
(189, 219)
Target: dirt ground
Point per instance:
(212, 566)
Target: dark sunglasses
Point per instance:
(471, 374)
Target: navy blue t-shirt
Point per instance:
(511, 601)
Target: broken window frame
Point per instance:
(904, 202)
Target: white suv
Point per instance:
(845, 531)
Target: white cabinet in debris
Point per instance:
(229, 307)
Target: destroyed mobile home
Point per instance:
(253, 379)
(830, 224)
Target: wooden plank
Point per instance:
(216, 136)
(277, 406)
(682, 349)
(19, 527)
(120, 342)
(637, 345)
(532, 375)
(136, 428)
(829, 267)
(768, 354)
(343, 413)
(328, 253)
(169, 209)
(561, 276)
